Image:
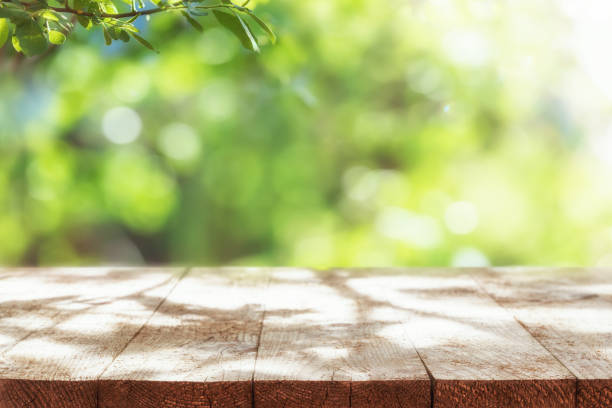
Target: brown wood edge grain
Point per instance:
(594, 393)
(555, 393)
(19, 393)
(568, 393)
(355, 394)
(154, 394)
(22, 393)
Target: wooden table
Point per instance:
(264, 337)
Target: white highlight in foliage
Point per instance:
(121, 125)
(179, 141)
(461, 217)
(469, 257)
(419, 230)
(468, 48)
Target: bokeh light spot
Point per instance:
(217, 47)
(461, 217)
(421, 231)
(469, 257)
(121, 125)
(131, 84)
(218, 100)
(179, 141)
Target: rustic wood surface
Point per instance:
(251, 337)
(569, 311)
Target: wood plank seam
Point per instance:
(263, 318)
(216, 315)
(484, 290)
(182, 275)
(261, 326)
(430, 294)
(490, 295)
(537, 299)
(97, 381)
(432, 380)
(317, 319)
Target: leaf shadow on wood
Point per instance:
(375, 320)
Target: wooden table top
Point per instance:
(281, 337)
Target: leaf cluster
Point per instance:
(33, 25)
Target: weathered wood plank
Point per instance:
(198, 350)
(478, 355)
(324, 345)
(74, 321)
(570, 312)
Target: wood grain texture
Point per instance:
(80, 320)
(324, 345)
(569, 311)
(198, 350)
(478, 355)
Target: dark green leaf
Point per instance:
(124, 36)
(13, 12)
(143, 41)
(107, 38)
(114, 33)
(85, 21)
(194, 23)
(30, 38)
(239, 27)
(265, 27)
(4, 31)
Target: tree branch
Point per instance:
(133, 13)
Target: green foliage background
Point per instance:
(349, 142)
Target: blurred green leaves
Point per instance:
(137, 190)
(41, 22)
(420, 134)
